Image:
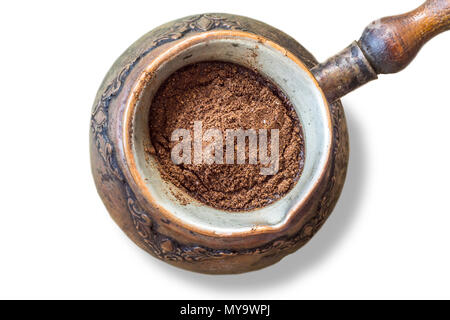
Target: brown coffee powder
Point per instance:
(226, 96)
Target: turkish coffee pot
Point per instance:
(193, 235)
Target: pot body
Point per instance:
(169, 239)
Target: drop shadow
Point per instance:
(315, 251)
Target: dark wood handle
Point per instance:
(391, 43)
(387, 45)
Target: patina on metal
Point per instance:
(344, 72)
(166, 238)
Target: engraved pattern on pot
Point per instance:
(158, 244)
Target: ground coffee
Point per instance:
(226, 96)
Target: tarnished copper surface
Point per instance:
(344, 72)
(166, 238)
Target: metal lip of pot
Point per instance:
(254, 52)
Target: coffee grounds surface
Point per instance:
(226, 96)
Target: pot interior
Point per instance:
(291, 76)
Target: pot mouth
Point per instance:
(274, 63)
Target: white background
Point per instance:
(387, 238)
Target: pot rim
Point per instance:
(132, 101)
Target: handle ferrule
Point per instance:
(344, 72)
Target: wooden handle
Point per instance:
(387, 45)
(391, 43)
